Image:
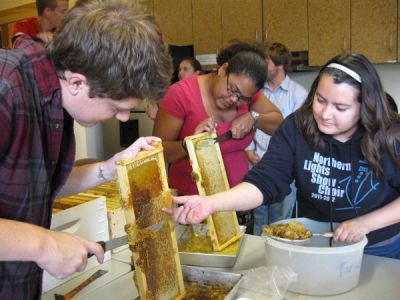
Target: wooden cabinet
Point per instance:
(241, 20)
(285, 21)
(10, 16)
(148, 6)
(216, 23)
(175, 20)
(374, 29)
(398, 31)
(207, 26)
(329, 30)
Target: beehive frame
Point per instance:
(144, 191)
(209, 173)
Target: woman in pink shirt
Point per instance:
(227, 99)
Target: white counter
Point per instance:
(379, 277)
(114, 270)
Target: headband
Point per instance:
(345, 69)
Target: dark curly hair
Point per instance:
(245, 58)
(377, 119)
(238, 46)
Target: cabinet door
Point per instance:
(329, 30)
(148, 6)
(398, 32)
(241, 20)
(207, 33)
(285, 21)
(175, 20)
(374, 29)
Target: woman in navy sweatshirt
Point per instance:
(342, 147)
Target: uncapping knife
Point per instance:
(123, 240)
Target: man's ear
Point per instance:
(222, 70)
(46, 12)
(75, 82)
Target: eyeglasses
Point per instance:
(236, 95)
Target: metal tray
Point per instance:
(213, 278)
(212, 259)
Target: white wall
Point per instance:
(89, 141)
(389, 74)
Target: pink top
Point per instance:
(183, 101)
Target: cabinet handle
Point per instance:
(256, 35)
(344, 44)
(266, 35)
(391, 43)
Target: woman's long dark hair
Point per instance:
(376, 117)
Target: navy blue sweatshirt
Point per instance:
(337, 172)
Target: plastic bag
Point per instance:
(271, 282)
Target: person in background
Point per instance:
(82, 77)
(42, 28)
(187, 67)
(227, 99)
(341, 148)
(288, 96)
(392, 103)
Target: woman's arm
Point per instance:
(353, 230)
(270, 116)
(268, 121)
(194, 209)
(167, 127)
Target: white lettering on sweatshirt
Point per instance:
(320, 168)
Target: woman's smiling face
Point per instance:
(336, 108)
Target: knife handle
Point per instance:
(102, 244)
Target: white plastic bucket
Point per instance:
(321, 270)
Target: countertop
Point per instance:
(379, 277)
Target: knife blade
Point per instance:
(123, 240)
(211, 141)
(223, 137)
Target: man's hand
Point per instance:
(252, 157)
(151, 110)
(143, 143)
(45, 36)
(63, 254)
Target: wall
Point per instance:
(389, 74)
(5, 4)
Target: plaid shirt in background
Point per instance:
(37, 149)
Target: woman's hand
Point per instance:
(192, 209)
(208, 125)
(350, 231)
(242, 125)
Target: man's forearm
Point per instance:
(20, 241)
(84, 177)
